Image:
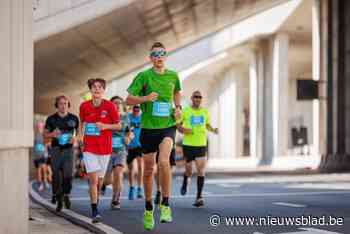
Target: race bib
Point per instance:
(117, 142)
(197, 120)
(64, 138)
(91, 129)
(39, 148)
(161, 109)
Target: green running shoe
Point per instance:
(165, 214)
(148, 220)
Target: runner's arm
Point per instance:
(135, 100)
(211, 129)
(177, 99)
(183, 130)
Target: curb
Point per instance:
(71, 216)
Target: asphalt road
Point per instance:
(257, 207)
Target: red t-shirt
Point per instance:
(105, 113)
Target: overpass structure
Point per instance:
(245, 56)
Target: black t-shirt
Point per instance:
(66, 125)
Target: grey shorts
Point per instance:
(117, 159)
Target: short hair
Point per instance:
(58, 98)
(116, 97)
(157, 45)
(92, 81)
(196, 91)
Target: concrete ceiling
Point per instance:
(118, 42)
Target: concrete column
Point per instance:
(253, 104)
(280, 93)
(16, 120)
(268, 141)
(213, 103)
(230, 115)
(337, 157)
(227, 117)
(256, 97)
(316, 59)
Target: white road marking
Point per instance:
(234, 195)
(331, 178)
(328, 186)
(289, 204)
(229, 185)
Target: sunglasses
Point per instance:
(118, 102)
(199, 97)
(158, 54)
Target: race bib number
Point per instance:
(117, 142)
(161, 109)
(39, 148)
(91, 129)
(64, 138)
(197, 120)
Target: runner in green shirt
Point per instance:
(156, 89)
(194, 126)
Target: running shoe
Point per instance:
(148, 220)
(183, 189)
(115, 205)
(53, 199)
(96, 217)
(165, 214)
(41, 187)
(67, 202)
(132, 193)
(199, 202)
(59, 205)
(139, 193)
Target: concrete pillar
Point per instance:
(267, 143)
(280, 94)
(253, 104)
(227, 117)
(256, 101)
(316, 59)
(16, 120)
(337, 157)
(213, 103)
(230, 116)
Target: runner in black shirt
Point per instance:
(61, 127)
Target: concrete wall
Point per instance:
(16, 120)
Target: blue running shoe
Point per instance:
(139, 193)
(132, 193)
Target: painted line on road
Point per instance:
(289, 204)
(231, 195)
(72, 216)
(230, 185)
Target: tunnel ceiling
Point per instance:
(118, 42)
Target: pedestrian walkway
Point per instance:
(45, 222)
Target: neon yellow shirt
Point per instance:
(197, 120)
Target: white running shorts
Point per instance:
(96, 163)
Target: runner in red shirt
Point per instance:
(98, 117)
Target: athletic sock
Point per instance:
(94, 207)
(149, 205)
(165, 201)
(185, 180)
(200, 184)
